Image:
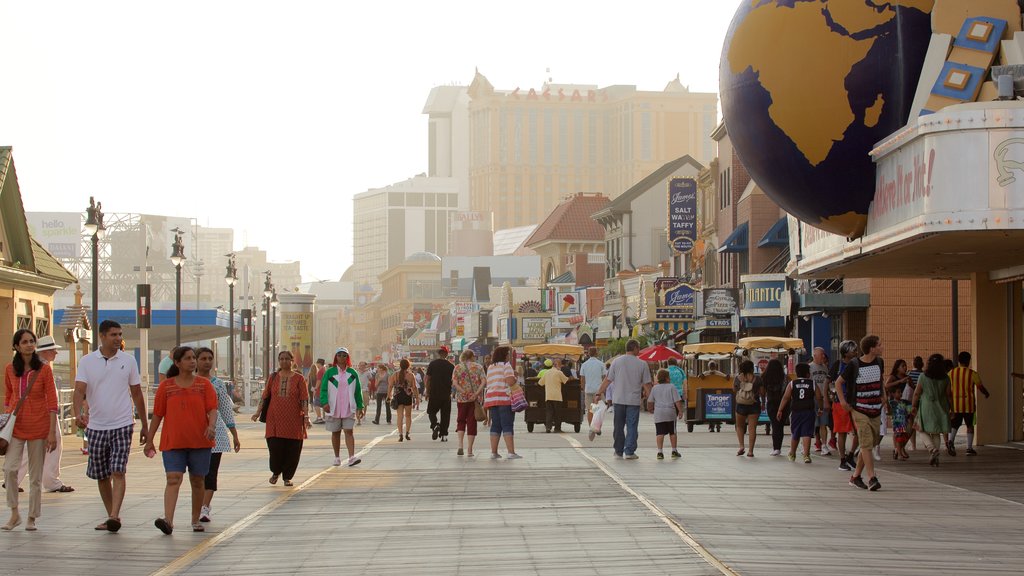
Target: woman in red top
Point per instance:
(287, 418)
(35, 428)
(187, 405)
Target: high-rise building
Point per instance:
(415, 215)
(394, 222)
(531, 148)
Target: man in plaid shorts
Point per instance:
(109, 379)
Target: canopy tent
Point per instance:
(770, 343)
(573, 350)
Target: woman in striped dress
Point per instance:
(498, 402)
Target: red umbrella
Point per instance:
(659, 353)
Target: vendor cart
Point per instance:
(709, 393)
(572, 410)
(760, 349)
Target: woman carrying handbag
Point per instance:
(32, 424)
(468, 379)
(285, 408)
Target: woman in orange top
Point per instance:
(35, 428)
(187, 404)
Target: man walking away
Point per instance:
(552, 381)
(592, 374)
(860, 392)
(628, 374)
(806, 398)
(439, 394)
(823, 421)
(965, 383)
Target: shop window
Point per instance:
(42, 320)
(24, 315)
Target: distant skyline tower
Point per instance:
(528, 149)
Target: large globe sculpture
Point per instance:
(808, 87)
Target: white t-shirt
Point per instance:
(107, 390)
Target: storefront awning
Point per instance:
(777, 236)
(738, 240)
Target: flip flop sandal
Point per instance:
(163, 526)
(112, 524)
(65, 489)
(741, 452)
(197, 527)
(288, 483)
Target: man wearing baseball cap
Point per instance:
(47, 349)
(439, 394)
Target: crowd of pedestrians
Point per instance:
(193, 411)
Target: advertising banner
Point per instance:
(717, 406)
(682, 214)
(59, 232)
(765, 295)
(720, 301)
(675, 301)
(297, 337)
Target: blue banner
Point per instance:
(682, 214)
(718, 406)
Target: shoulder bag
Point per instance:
(265, 406)
(7, 420)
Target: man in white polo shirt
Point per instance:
(109, 378)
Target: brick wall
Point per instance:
(913, 316)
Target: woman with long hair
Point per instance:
(186, 404)
(285, 402)
(403, 393)
(932, 405)
(35, 428)
(748, 390)
(895, 382)
(498, 402)
(469, 380)
(225, 424)
(774, 380)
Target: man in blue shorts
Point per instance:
(109, 378)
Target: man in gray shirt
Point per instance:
(819, 374)
(629, 375)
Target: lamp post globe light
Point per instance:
(231, 277)
(95, 228)
(178, 259)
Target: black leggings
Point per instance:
(284, 456)
(778, 430)
(211, 476)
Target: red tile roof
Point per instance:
(571, 221)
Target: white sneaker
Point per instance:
(204, 514)
(877, 454)
(337, 461)
(513, 456)
(631, 457)
(825, 451)
(775, 453)
(495, 456)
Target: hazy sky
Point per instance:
(268, 117)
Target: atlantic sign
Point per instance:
(682, 214)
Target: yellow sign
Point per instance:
(297, 337)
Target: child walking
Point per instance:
(668, 407)
(805, 396)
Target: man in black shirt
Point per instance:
(439, 394)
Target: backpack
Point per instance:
(745, 395)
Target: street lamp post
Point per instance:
(178, 259)
(273, 322)
(231, 278)
(268, 291)
(94, 226)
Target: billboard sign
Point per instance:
(682, 214)
(59, 232)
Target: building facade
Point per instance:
(530, 148)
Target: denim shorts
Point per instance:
(502, 420)
(196, 460)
